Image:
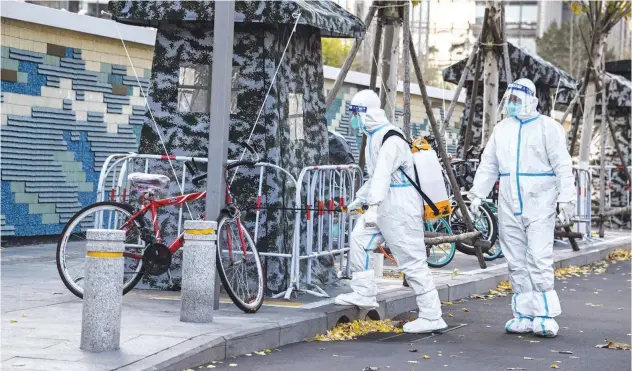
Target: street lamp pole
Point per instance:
(219, 113)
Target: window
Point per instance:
(295, 116)
(480, 13)
(512, 13)
(529, 14)
(194, 89)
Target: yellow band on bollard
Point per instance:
(200, 231)
(105, 254)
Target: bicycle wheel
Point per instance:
(71, 247)
(241, 274)
(442, 254)
(486, 223)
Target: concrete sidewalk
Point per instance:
(41, 320)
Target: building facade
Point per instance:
(69, 99)
(338, 115)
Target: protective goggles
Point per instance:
(515, 88)
(357, 109)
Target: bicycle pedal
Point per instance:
(156, 259)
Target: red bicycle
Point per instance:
(239, 266)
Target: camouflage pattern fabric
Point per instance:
(329, 17)
(291, 131)
(544, 75)
(618, 94)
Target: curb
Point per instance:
(206, 348)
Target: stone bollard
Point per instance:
(198, 271)
(103, 290)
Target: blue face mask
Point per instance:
(513, 109)
(356, 122)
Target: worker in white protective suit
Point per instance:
(528, 151)
(394, 216)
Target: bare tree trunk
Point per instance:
(575, 122)
(595, 48)
(457, 92)
(470, 118)
(589, 112)
(390, 59)
(602, 157)
(490, 76)
(406, 44)
(477, 73)
(508, 75)
(349, 61)
(377, 44)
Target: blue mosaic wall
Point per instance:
(59, 123)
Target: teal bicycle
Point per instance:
(440, 255)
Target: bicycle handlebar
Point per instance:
(196, 180)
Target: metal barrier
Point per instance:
(582, 218)
(321, 193)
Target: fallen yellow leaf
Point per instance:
(14, 321)
(554, 366)
(352, 330)
(466, 310)
(620, 255)
(426, 356)
(260, 353)
(447, 303)
(267, 351)
(450, 315)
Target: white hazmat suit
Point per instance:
(528, 151)
(398, 212)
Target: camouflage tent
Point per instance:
(291, 131)
(544, 75)
(618, 95)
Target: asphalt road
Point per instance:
(594, 308)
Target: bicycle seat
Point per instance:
(148, 182)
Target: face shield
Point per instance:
(358, 114)
(518, 101)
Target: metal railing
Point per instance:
(321, 192)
